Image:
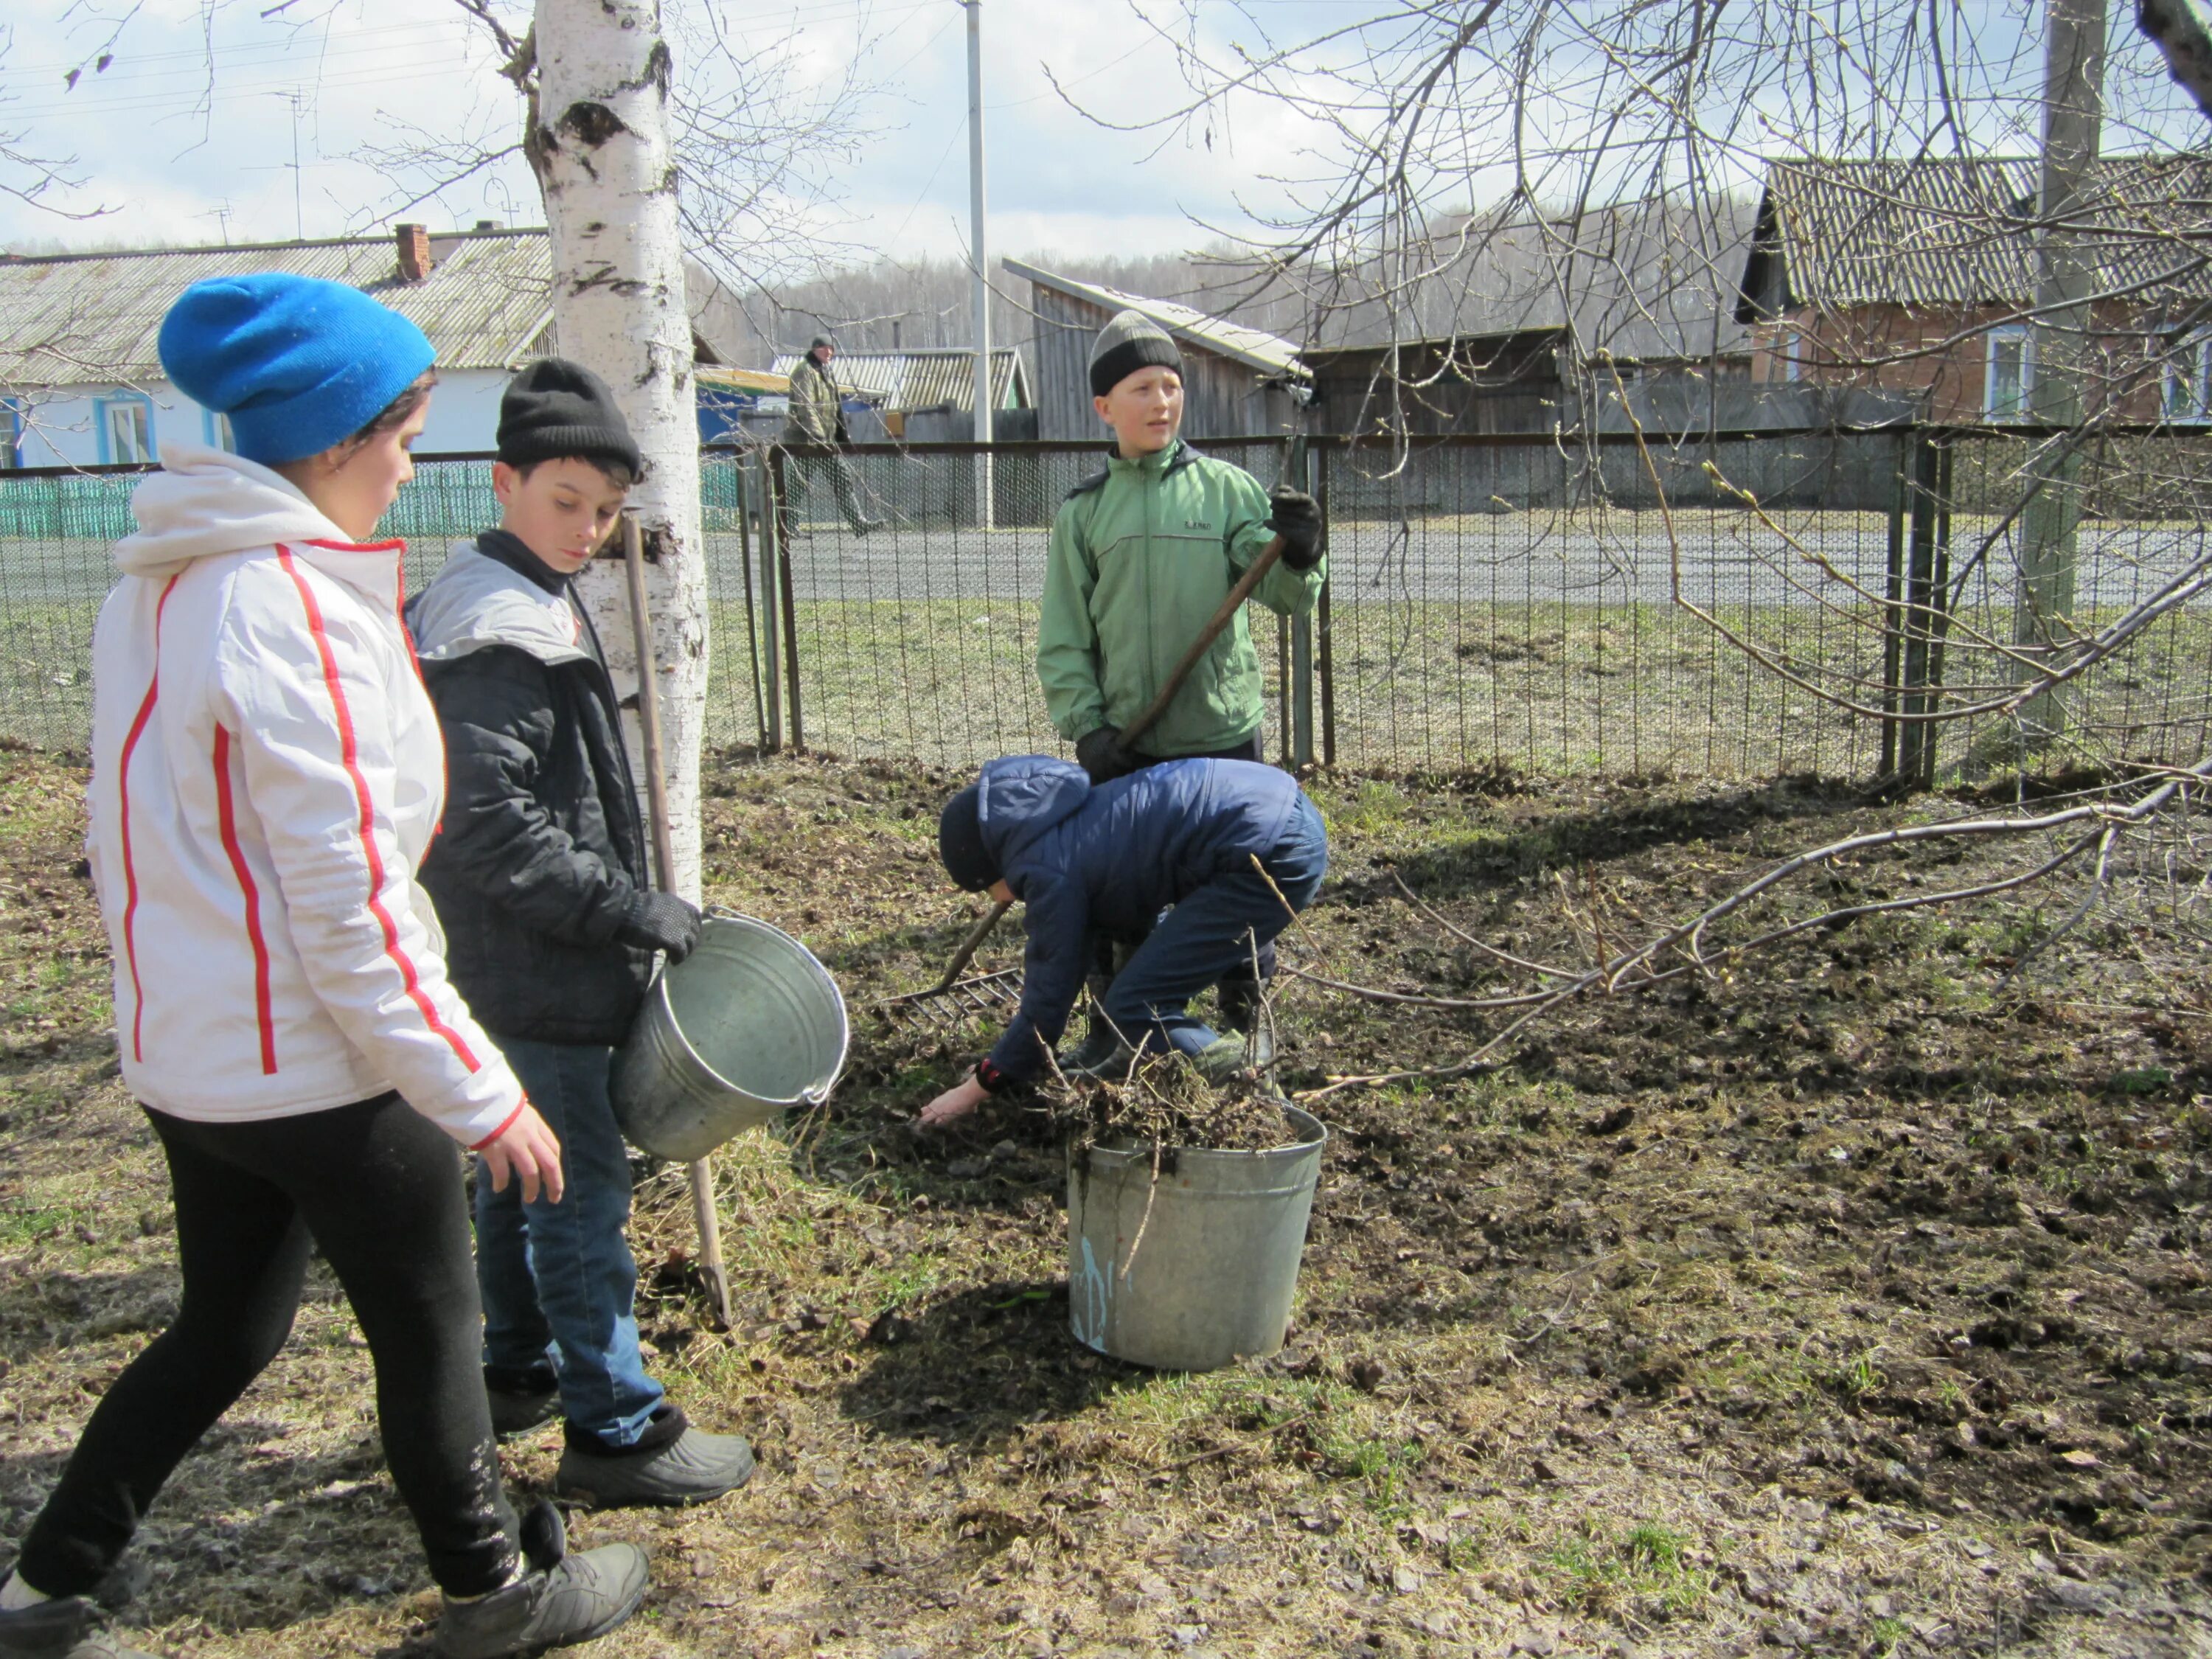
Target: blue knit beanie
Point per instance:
(298, 363)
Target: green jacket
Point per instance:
(1141, 557)
(814, 412)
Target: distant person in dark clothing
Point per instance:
(1235, 847)
(818, 416)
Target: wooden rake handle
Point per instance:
(976, 935)
(1136, 728)
(704, 1215)
(1219, 620)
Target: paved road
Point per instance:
(1505, 559)
(1510, 559)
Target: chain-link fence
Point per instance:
(1742, 607)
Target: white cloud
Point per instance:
(179, 169)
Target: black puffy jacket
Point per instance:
(542, 850)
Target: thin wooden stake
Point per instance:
(704, 1215)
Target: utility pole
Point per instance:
(299, 214)
(2060, 340)
(981, 257)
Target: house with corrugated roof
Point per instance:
(81, 384)
(1236, 381)
(1503, 322)
(1916, 279)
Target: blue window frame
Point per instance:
(215, 431)
(125, 424)
(2189, 377)
(2010, 388)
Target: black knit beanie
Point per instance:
(556, 409)
(1131, 341)
(960, 842)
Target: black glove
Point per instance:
(661, 921)
(1297, 520)
(1099, 753)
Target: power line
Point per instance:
(191, 60)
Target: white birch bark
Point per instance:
(600, 141)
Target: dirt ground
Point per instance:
(1854, 1302)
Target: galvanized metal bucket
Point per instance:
(744, 1028)
(1199, 1271)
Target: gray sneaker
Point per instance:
(560, 1600)
(61, 1629)
(676, 1465)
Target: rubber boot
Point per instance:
(1099, 1044)
(1241, 1012)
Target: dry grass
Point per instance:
(1876, 1327)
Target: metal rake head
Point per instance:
(986, 996)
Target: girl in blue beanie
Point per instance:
(267, 774)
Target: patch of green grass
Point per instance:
(2145, 1080)
(1384, 1465)
(1885, 1636)
(1643, 1571)
(1857, 1378)
(25, 1225)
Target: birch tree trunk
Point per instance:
(600, 142)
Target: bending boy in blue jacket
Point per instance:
(1110, 857)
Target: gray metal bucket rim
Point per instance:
(1142, 1153)
(808, 1097)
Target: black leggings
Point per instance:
(378, 1187)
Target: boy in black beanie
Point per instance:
(539, 873)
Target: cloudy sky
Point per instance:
(189, 133)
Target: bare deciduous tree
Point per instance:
(1467, 167)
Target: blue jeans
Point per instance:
(1212, 932)
(558, 1280)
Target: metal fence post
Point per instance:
(771, 523)
(1298, 670)
(1892, 630)
(1926, 574)
(1324, 639)
(790, 623)
(746, 499)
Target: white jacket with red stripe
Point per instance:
(267, 774)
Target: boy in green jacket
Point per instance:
(1142, 555)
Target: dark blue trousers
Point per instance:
(1212, 932)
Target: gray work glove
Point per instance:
(1099, 753)
(661, 921)
(1297, 520)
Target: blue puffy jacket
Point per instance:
(1111, 858)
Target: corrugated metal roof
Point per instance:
(936, 377)
(756, 381)
(1961, 231)
(87, 317)
(1256, 348)
(1653, 279)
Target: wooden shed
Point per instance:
(1238, 381)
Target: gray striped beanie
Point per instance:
(1131, 341)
